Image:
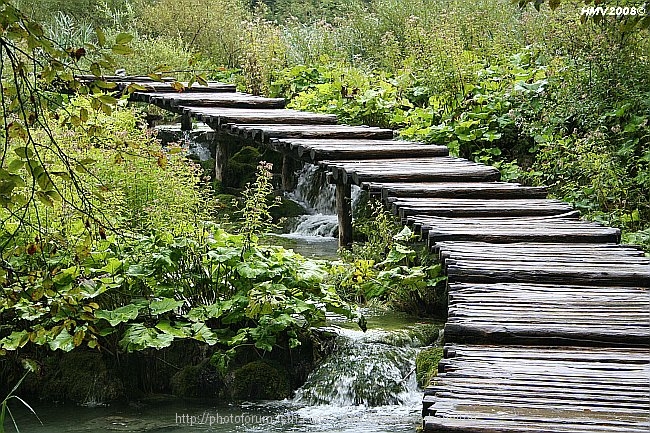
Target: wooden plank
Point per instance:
(151, 87)
(483, 190)
(393, 170)
(453, 249)
(265, 132)
(580, 273)
(452, 207)
(229, 100)
(127, 79)
(511, 230)
(359, 149)
(491, 389)
(331, 152)
(545, 314)
(215, 117)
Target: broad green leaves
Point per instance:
(273, 295)
(119, 315)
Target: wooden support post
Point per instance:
(186, 121)
(288, 176)
(344, 212)
(220, 157)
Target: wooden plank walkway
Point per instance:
(522, 271)
(490, 389)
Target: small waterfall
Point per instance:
(370, 369)
(318, 197)
(367, 385)
(197, 141)
(196, 148)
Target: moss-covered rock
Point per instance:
(79, 376)
(259, 380)
(241, 167)
(200, 380)
(287, 209)
(426, 364)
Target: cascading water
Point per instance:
(318, 197)
(367, 369)
(368, 384)
(196, 141)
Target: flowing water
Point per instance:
(316, 233)
(366, 385)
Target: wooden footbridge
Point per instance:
(549, 317)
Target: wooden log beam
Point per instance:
(186, 121)
(288, 172)
(344, 212)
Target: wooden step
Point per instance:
(488, 389)
(158, 87)
(394, 170)
(215, 117)
(265, 132)
(482, 190)
(452, 249)
(453, 207)
(213, 100)
(316, 150)
(508, 230)
(547, 314)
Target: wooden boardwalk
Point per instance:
(549, 318)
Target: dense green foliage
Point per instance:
(109, 241)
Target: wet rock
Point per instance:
(259, 380)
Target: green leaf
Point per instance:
(44, 198)
(119, 315)
(224, 254)
(108, 99)
(101, 37)
(205, 312)
(179, 330)
(14, 340)
(123, 38)
(202, 332)
(164, 305)
(24, 152)
(121, 50)
(95, 69)
(112, 266)
(135, 87)
(107, 85)
(139, 337)
(63, 341)
(251, 272)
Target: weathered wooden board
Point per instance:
(315, 150)
(457, 207)
(207, 100)
(509, 230)
(127, 79)
(483, 190)
(453, 249)
(212, 87)
(557, 271)
(265, 132)
(487, 389)
(413, 169)
(215, 117)
(503, 313)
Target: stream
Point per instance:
(366, 385)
